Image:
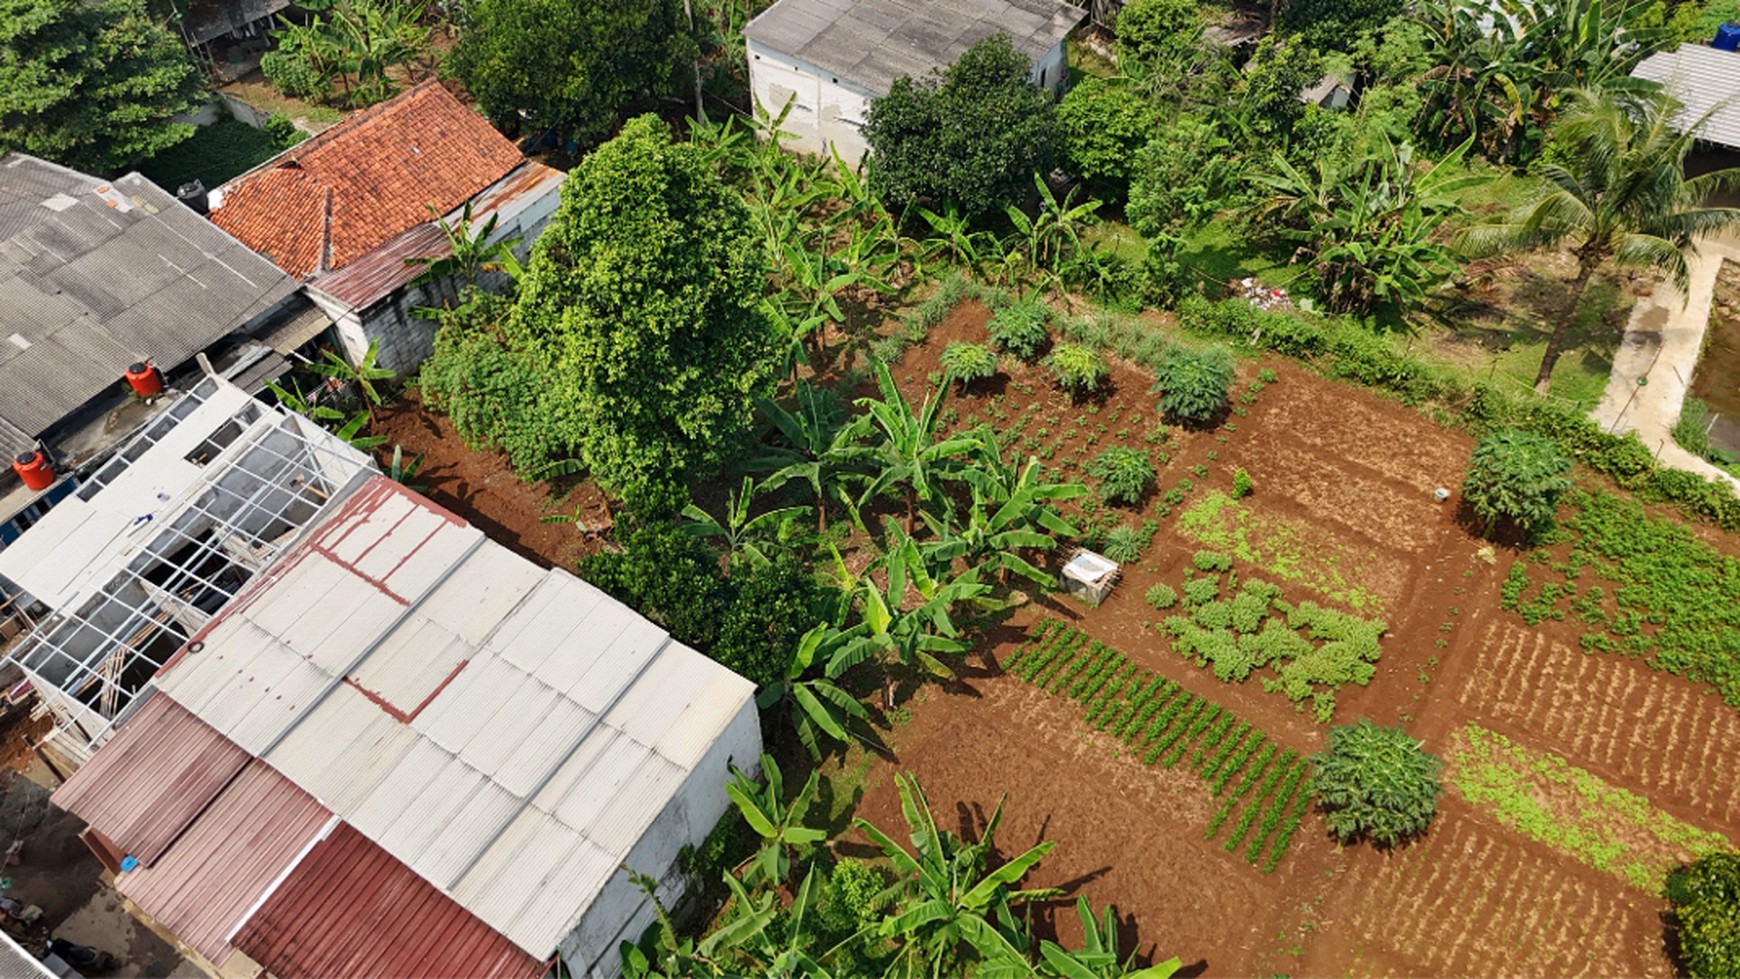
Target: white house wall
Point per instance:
(1051, 71)
(621, 911)
(825, 110)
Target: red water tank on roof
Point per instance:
(33, 468)
(145, 379)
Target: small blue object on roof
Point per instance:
(1727, 37)
(129, 862)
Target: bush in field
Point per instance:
(1376, 783)
(1193, 384)
(1517, 476)
(1125, 544)
(1211, 561)
(1705, 895)
(1126, 475)
(1161, 597)
(1019, 329)
(1079, 370)
(968, 362)
(1200, 591)
(1242, 484)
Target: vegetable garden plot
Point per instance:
(1267, 788)
(1660, 734)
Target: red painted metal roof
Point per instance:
(350, 909)
(228, 859)
(152, 778)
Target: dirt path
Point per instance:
(1661, 345)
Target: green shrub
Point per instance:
(1019, 329)
(1079, 370)
(284, 133)
(1125, 474)
(1376, 783)
(1706, 906)
(1198, 591)
(1516, 476)
(1161, 597)
(968, 362)
(1242, 486)
(1211, 561)
(1193, 385)
(1125, 544)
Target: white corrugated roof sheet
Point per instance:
(508, 732)
(1702, 79)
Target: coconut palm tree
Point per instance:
(1621, 196)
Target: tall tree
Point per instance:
(91, 85)
(1620, 195)
(972, 135)
(646, 287)
(570, 65)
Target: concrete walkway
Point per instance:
(1662, 343)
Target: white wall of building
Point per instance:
(621, 911)
(828, 111)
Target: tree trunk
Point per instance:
(1555, 345)
(911, 507)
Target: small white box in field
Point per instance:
(1089, 576)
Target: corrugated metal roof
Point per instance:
(229, 858)
(350, 909)
(95, 275)
(16, 963)
(507, 732)
(871, 43)
(152, 778)
(1705, 81)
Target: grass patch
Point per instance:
(212, 155)
(1542, 796)
(1085, 62)
(1117, 238)
(1216, 252)
(1281, 547)
(253, 89)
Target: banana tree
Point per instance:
(778, 823)
(1098, 957)
(952, 236)
(825, 446)
(912, 627)
(992, 535)
(762, 939)
(349, 428)
(364, 373)
(1046, 239)
(952, 908)
(910, 454)
(816, 705)
(740, 532)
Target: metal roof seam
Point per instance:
(398, 620)
(556, 766)
(332, 821)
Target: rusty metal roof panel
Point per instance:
(351, 909)
(207, 883)
(152, 778)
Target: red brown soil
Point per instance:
(1472, 897)
(480, 486)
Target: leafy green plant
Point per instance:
(1125, 544)
(1079, 370)
(1516, 476)
(1193, 385)
(968, 362)
(1126, 475)
(1242, 485)
(778, 823)
(1161, 596)
(1705, 895)
(1376, 783)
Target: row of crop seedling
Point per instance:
(1164, 724)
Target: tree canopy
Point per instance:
(637, 341)
(1376, 783)
(570, 65)
(1517, 476)
(973, 135)
(91, 86)
(1705, 896)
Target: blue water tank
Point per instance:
(1727, 37)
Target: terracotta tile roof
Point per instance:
(152, 778)
(350, 909)
(340, 195)
(228, 860)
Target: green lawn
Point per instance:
(214, 154)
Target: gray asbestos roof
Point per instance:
(96, 275)
(1701, 78)
(870, 43)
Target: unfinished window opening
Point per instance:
(225, 435)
